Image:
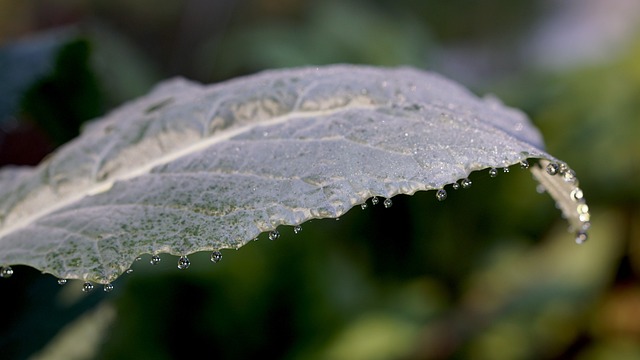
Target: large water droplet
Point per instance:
(155, 260)
(297, 229)
(274, 235)
(108, 287)
(216, 256)
(553, 168)
(374, 200)
(87, 287)
(62, 281)
(6, 272)
(183, 263)
(363, 206)
(493, 172)
(581, 237)
(524, 164)
(441, 194)
(387, 203)
(466, 183)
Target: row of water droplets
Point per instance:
(576, 195)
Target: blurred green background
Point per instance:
(491, 273)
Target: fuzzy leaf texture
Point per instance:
(189, 168)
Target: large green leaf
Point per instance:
(189, 168)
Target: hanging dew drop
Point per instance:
(363, 206)
(374, 200)
(441, 194)
(274, 235)
(387, 203)
(493, 172)
(466, 183)
(455, 186)
(87, 287)
(183, 262)
(108, 287)
(62, 281)
(6, 272)
(581, 237)
(297, 229)
(577, 194)
(129, 271)
(155, 260)
(505, 170)
(553, 169)
(524, 164)
(216, 256)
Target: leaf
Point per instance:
(190, 168)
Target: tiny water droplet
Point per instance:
(506, 169)
(387, 203)
(183, 263)
(581, 237)
(569, 176)
(297, 229)
(138, 258)
(441, 194)
(553, 168)
(129, 271)
(524, 164)
(6, 272)
(108, 287)
(216, 256)
(87, 287)
(62, 281)
(455, 186)
(155, 260)
(583, 209)
(493, 172)
(374, 200)
(338, 218)
(274, 235)
(540, 189)
(577, 194)
(363, 206)
(585, 226)
(466, 183)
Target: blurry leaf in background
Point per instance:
(60, 102)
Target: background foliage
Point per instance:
(490, 273)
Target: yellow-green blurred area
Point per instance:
(490, 273)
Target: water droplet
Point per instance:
(297, 229)
(216, 256)
(455, 186)
(62, 281)
(581, 237)
(6, 272)
(374, 200)
(108, 287)
(577, 194)
(585, 226)
(138, 258)
(387, 203)
(552, 169)
(274, 235)
(569, 176)
(493, 172)
(540, 189)
(155, 260)
(506, 169)
(129, 271)
(524, 164)
(466, 183)
(363, 206)
(441, 194)
(183, 262)
(583, 209)
(87, 287)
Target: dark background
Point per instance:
(491, 273)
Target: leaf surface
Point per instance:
(189, 168)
